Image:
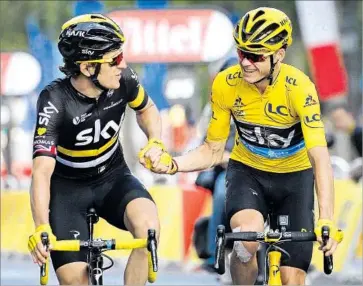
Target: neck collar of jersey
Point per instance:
(269, 86)
(81, 95)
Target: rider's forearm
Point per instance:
(40, 197)
(324, 182)
(201, 158)
(150, 122)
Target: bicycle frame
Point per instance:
(96, 247)
(94, 257)
(274, 253)
(274, 277)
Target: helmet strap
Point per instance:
(95, 76)
(271, 75)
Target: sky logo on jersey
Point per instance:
(46, 114)
(271, 142)
(309, 101)
(93, 135)
(313, 121)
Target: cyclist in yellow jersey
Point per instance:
(280, 146)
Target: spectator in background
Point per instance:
(344, 121)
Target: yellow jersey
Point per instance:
(274, 129)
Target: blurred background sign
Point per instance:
(174, 35)
(20, 73)
(321, 38)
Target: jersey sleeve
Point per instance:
(137, 96)
(306, 105)
(49, 119)
(219, 124)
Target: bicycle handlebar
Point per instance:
(268, 237)
(103, 244)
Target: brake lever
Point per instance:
(219, 263)
(43, 268)
(152, 247)
(328, 260)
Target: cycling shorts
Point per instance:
(274, 194)
(109, 194)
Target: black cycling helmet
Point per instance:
(88, 37)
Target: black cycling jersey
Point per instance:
(81, 133)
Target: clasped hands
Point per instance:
(155, 158)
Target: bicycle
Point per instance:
(272, 275)
(96, 247)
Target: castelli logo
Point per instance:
(201, 35)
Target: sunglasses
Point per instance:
(253, 58)
(112, 62)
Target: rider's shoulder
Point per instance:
(229, 77)
(295, 79)
(129, 80)
(55, 89)
(129, 75)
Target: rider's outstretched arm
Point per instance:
(210, 153)
(203, 157)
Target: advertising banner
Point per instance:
(174, 35)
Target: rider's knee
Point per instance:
(72, 275)
(142, 224)
(244, 250)
(75, 280)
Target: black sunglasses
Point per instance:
(253, 58)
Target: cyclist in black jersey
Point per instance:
(78, 160)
